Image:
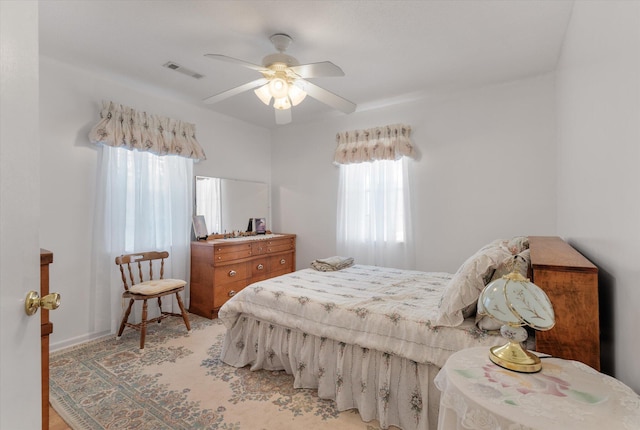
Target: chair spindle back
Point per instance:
(138, 259)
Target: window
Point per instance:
(374, 224)
(143, 200)
(143, 203)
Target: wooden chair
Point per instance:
(150, 288)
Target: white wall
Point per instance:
(70, 101)
(598, 166)
(486, 171)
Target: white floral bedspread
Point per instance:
(385, 309)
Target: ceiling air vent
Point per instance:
(178, 68)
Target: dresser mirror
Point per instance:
(228, 204)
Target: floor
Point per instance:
(55, 422)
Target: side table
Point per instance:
(565, 394)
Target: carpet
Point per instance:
(180, 383)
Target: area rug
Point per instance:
(180, 383)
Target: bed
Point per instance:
(367, 337)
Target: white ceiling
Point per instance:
(389, 50)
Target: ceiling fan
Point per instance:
(284, 81)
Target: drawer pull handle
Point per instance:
(283, 261)
(232, 273)
(232, 293)
(260, 267)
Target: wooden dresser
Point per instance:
(221, 268)
(571, 282)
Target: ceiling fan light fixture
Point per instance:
(279, 87)
(296, 95)
(264, 94)
(284, 80)
(282, 103)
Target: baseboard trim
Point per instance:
(53, 347)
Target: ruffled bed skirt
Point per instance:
(394, 390)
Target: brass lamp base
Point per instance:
(513, 357)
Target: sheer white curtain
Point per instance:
(143, 202)
(374, 214)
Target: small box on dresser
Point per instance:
(223, 267)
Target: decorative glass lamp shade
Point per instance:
(296, 95)
(264, 94)
(516, 302)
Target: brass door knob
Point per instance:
(33, 302)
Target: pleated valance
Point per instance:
(390, 142)
(122, 126)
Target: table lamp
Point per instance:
(516, 302)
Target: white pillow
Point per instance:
(518, 244)
(461, 293)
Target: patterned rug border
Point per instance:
(66, 411)
(70, 417)
(156, 335)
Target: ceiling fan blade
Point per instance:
(326, 97)
(236, 61)
(317, 70)
(237, 90)
(283, 116)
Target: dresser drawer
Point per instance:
(222, 293)
(279, 273)
(279, 245)
(279, 263)
(259, 266)
(259, 247)
(230, 253)
(230, 273)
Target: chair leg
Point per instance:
(185, 317)
(160, 306)
(125, 318)
(143, 324)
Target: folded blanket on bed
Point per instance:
(332, 263)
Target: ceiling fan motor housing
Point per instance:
(281, 42)
(279, 58)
